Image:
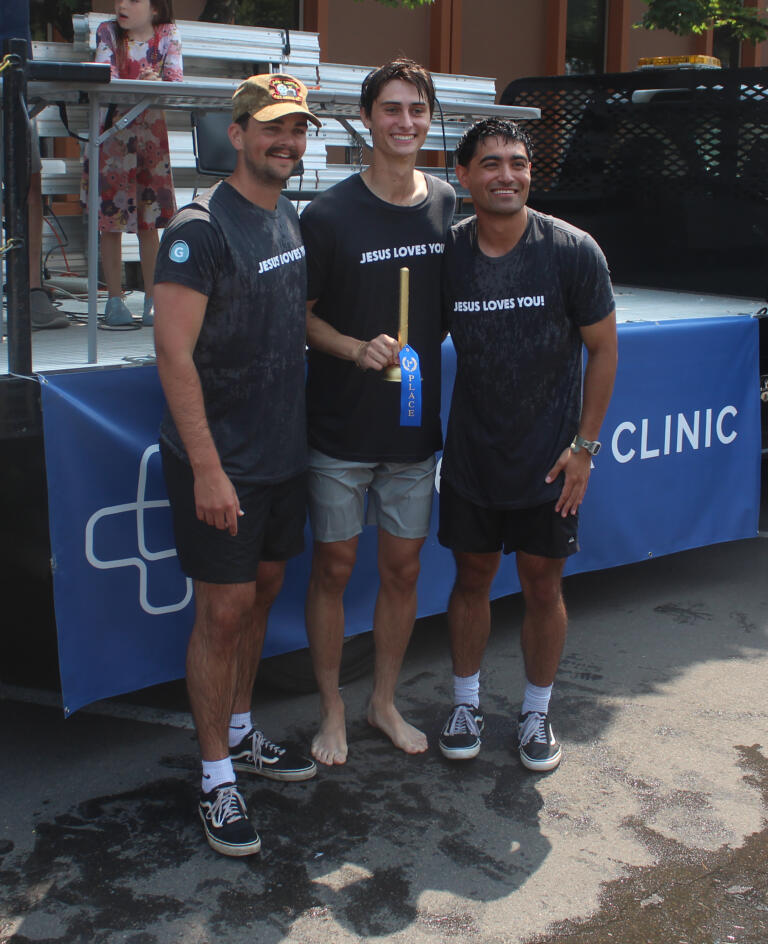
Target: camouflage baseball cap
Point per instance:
(266, 97)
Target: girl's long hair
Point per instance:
(162, 12)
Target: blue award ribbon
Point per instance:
(410, 387)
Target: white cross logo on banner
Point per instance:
(137, 508)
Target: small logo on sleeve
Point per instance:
(179, 251)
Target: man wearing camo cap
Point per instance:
(229, 332)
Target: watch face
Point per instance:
(594, 448)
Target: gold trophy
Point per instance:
(394, 373)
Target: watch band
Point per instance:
(591, 446)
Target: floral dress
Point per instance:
(135, 184)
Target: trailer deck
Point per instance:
(67, 349)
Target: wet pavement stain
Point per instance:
(378, 901)
(348, 849)
(460, 849)
(743, 622)
(85, 861)
(576, 667)
(691, 613)
(581, 719)
(83, 872)
(357, 850)
(690, 896)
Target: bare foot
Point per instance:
(329, 745)
(403, 735)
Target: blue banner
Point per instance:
(679, 468)
(680, 463)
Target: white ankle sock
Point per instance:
(536, 698)
(466, 690)
(239, 726)
(216, 772)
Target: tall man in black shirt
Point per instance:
(229, 333)
(523, 292)
(358, 235)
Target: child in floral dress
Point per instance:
(135, 185)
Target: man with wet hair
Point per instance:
(523, 293)
(398, 69)
(358, 235)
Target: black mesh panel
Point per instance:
(668, 169)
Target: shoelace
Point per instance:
(463, 722)
(260, 743)
(227, 807)
(533, 728)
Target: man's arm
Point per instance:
(378, 353)
(602, 348)
(179, 313)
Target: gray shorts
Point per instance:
(399, 497)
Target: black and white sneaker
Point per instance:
(538, 746)
(225, 822)
(256, 754)
(460, 738)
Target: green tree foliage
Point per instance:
(697, 16)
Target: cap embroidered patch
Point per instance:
(271, 96)
(286, 89)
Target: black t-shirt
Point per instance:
(515, 322)
(250, 353)
(356, 246)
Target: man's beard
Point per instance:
(266, 174)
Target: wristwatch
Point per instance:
(579, 442)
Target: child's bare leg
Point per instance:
(149, 243)
(112, 262)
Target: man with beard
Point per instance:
(229, 333)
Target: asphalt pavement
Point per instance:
(653, 829)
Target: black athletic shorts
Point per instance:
(272, 528)
(473, 529)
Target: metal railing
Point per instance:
(219, 42)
